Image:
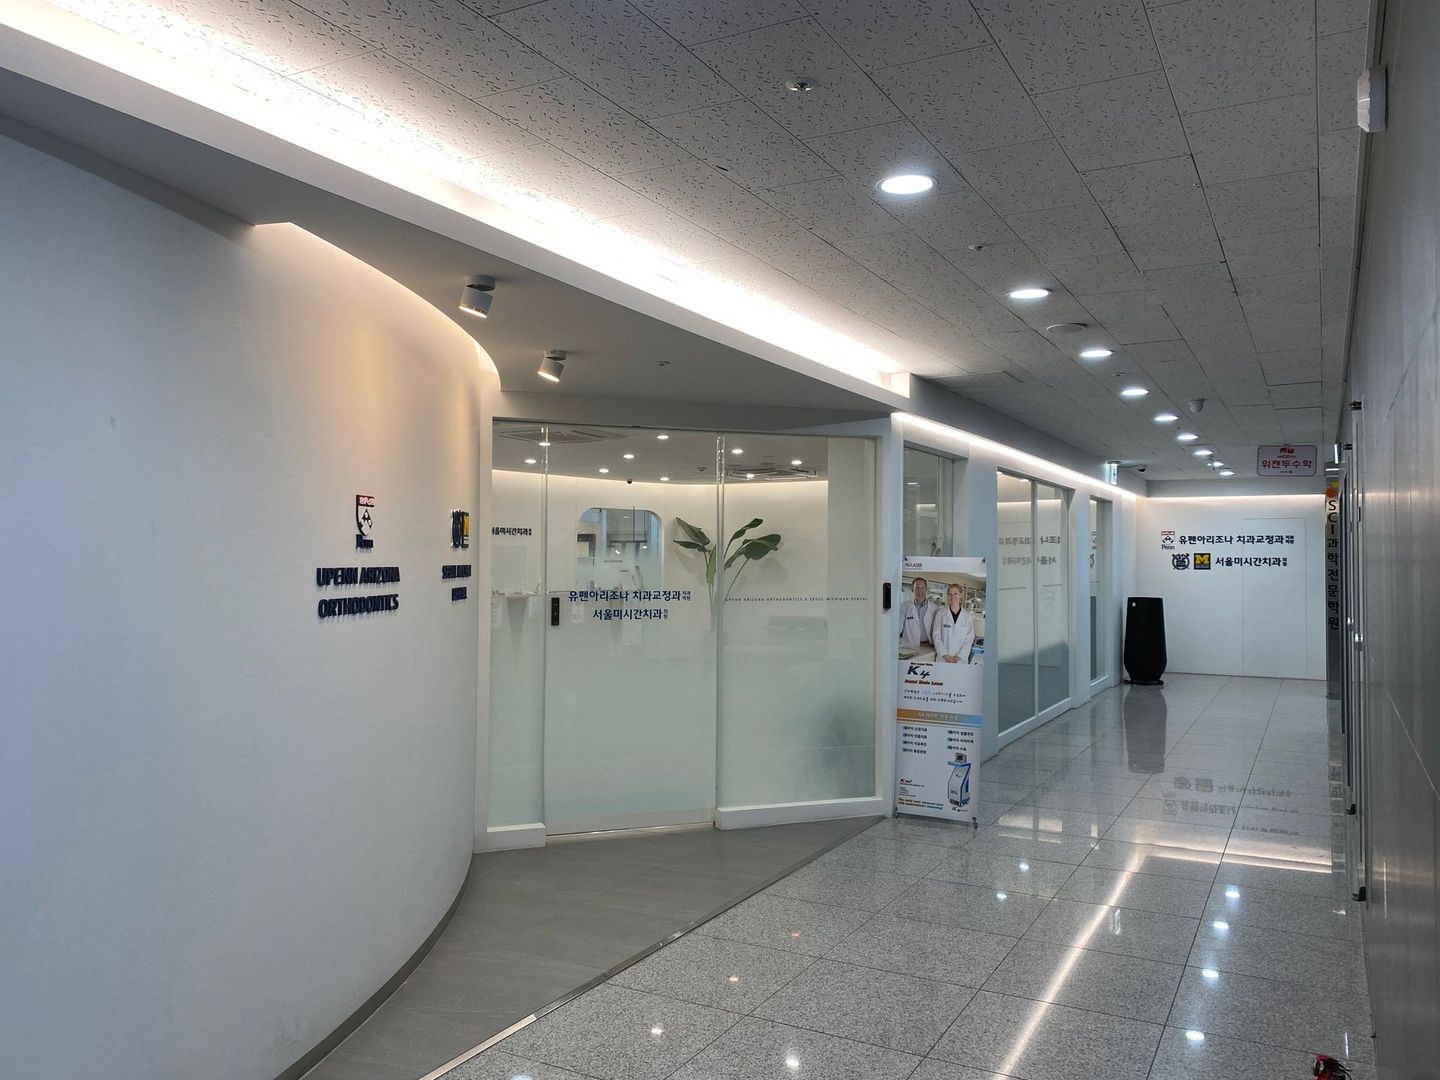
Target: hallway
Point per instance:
(1159, 892)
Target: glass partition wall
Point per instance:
(1033, 599)
(927, 512)
(680, 621)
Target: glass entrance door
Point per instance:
(630, 659)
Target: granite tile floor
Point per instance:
(1162, 894)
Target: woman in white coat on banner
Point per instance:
(953, 629)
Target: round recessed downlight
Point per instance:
(628, 457)
(664, 479)
(907, 184)
(662, 437)
(1134, 391)
(1202, 452)
(1186, 436)
(796, 461)
(1166, 418)
(603, 469)
(1029, 294)
(1095, 354)
(529, 461)
(1227, 472)
(737, 450)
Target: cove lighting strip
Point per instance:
(1232, 498)
(1027, 461)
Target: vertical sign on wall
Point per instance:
(942, 678)
(1332, 589)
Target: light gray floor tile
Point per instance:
(1169, 834)
(994, 911)
(1052, 819)
(712, 971)
(1323, 1018)
(1309, 878)
(884, 1008)
(1004, 793)
(934, 1069)
(1200, 810)
(1153, 859)
(1210, 1057)
(1294, 802)
(617, 1034)
(989, 812)
(910, 858)
(843, 886)
(762, 1049)
(946, 953)
(496, 1064)
(1032, 1039)
(1283, 823)
(1087, 979)
(1275, 954)
(1328, 916)
(1098, 801)
(1033, 844)
(781, 923)
(1309, 850)
(1008, 872)
(1147, 934)
(1147, 892)
(937, 831)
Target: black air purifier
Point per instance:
(1145, 657)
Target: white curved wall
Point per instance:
(223, 822)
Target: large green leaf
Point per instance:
(695, 534)
(690, 544)
(754, 523)
(755, 548)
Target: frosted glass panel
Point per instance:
(926, 506)
(1015, 601)
(1099, 645)
(1052, 613)
(797, 664)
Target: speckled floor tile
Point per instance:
(946, 953)
(781, 923)
(935, 1069)
(1087, 979)
(1188, 811)
(973, 907)
(1146, 892)
(1042, 1041)
(712, 971)
(1153, 859)
(1009, 872)
(1053, 819)
(910, 858)
(1308, 878)
(1328, 916)
(843, 886)
(884, 1008)
(1033, 844)
(1080, 800)
(1275, 954)
(936, 831)
(1169, 834)
(1314, 1018)
(1147, 934)
(613, 1033)
(1184, 1056)
(764, 1050)
(496, 1064)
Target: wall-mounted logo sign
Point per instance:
(1167, 539)
(1181, 561)
(364, 522)
(459, 528)
(1202, 560)
(1286, 460)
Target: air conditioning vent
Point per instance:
(557, 436)
(766, 471)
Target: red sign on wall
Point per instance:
(1287, 460)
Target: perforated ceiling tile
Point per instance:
(1258, 138)
(442, 38)
(1084, 274)
(964, 101)
(1339, 61)
(618, 51)
(1066, 231)
(760, 62)
(699, 193)
(1264, 205)
(998, 268)
(1332, 16)
(739, 139)
(1159, 211)
(958, 219)
(1227, 52)
(673, 233)
(1297, 287)
(1273, 253)
(1190, 283)
(1058, 43)
(1031, 176)
(1339, 159)
(882, 33)
(795, 250)
(698, 20)
(1131, 316)
(1117, 122)
(280, 35)
(870, 154)
(834, 206)
(568, 114)
(543, 172)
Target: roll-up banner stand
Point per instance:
(942, 680)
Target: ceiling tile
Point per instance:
(1265, 204)
(964, 101)
(1066, 231)
(568, 114)
(998, 268)
(741, 141)
(283, 37)
(1255, 419)
(834, 207)
(694, 22)
(1258, 138)
(1175, 243)
(541, 171)
(1291, 330)
(1296, 395)
(759, 62)
(1290, 366)
(869, 155)
(1299, 287)
(616, 50)
(1031, 176)
(672, 233)
(1339, 161)
(1131, 316)
(1189, 284)
(1337, 221)
(704, 196)
(1118, 122)
(1340, 60)
(442, 38)
(1332, 16)
(1070, 43)
(1227, 52)
(1085, 274)
(1273, 253)
(882, 33)
(1158, 210)
(956, 220)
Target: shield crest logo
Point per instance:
(364, 522)
(1181, 561)
(1167, 539)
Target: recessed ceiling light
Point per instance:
(1134, 391)
(1000, 896)
(1186, 436)
(1215, 464)
(907, 184)
(736, 450)
(797, 461)
(1095, 354)
(603, 469)
(628, 457)
(749, 476)
(1227, 472)
(545, 443)
(662, 438)
(665, 479)
(1202, 452)
(1029, 294)
(529, 461)
(1166, 418)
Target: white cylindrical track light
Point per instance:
(475, 298)
(552, 366)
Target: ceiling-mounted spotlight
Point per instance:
(552, 366)
(475, 298)
(907, 184)
(1195, 405)
(1029, 294)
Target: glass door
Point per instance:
(630, 659)
(1099, 601)
(1354, 660)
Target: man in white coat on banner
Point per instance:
(916, 616)
(953, 629)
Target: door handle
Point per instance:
(554, 611)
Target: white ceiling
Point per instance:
(1181, 174)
